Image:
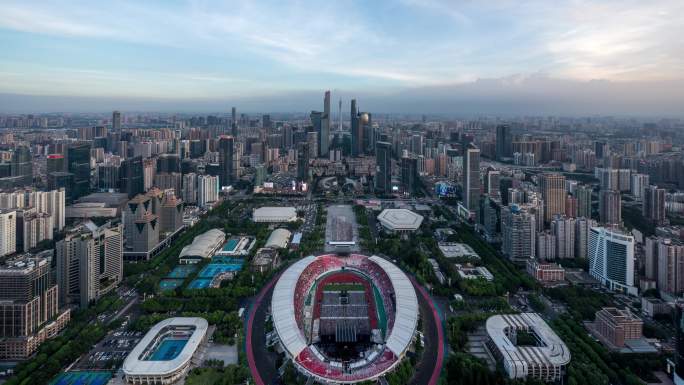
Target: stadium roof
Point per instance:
(274, 214)
(406, 318)
(516, 358)
(134, 366)
(283, 308)
(278, 239)
(203, 244)
(400, 219)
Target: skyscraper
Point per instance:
(317, 123)
(610, 207)
(233, 122)
(383, 172)
(503, 141)
(78, 157)
(8, 232)
(471, 179)
(132, 176)
(357, 130)
(324, 131)
(552, 187)
(563, 228)
(653, 206)
(409, 174)
(582, 226)
(226, 147)
(638, 184)
(611, 259)
(116, 121)
(303, 153)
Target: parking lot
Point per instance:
(110, 352)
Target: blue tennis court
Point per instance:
(168, 349)
(181, 271)
(199, 283)
(170, 284)
(82, 378)
(214, 269)
(226, 260)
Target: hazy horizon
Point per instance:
(574, 57)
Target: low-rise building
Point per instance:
(274, 214)
(615, 326)
(545, 272)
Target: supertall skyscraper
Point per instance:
(233, 122)
(553, 192)
(471, 179)
(383, 161)
(503, 141)
(226, 147)
(324, 132)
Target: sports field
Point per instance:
(343, 287)
(170, 284)
(82, 378)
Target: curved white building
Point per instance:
(542, 354)
(202, 247)
(163, 355)
(294, 306)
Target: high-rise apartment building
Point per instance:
(582, 226)
(563, 228)
(207, 190)
(639, 182)
(552, 187)
(610, 207)
(584, 201)
(8, 232)
(518, 230)
(653, 205)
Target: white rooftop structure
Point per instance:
(278, 239)
(274, 214)
(546, 360)
(204, 245)
(139, 370)
(400, 220)
(455, 250)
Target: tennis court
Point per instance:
(181, 271)
(214, 269)
(170, 284)
(82, 378)
(168, 349)
(199, 283)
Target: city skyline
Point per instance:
(407, 56)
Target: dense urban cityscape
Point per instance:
(393, 192)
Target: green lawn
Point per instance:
(343, 287)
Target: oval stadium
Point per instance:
(344, 319)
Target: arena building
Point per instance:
(344, 319)
(164, 354)
(274, 214)
(202, 247)
(400, 220)
(527, 347)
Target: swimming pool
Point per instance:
(230, 246)
(168, 349)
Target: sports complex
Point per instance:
(164, 354)
(344, 319)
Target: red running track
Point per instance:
(440, 334)
(252, 311)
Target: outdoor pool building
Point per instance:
(164, 354)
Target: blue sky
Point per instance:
(194, 50)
